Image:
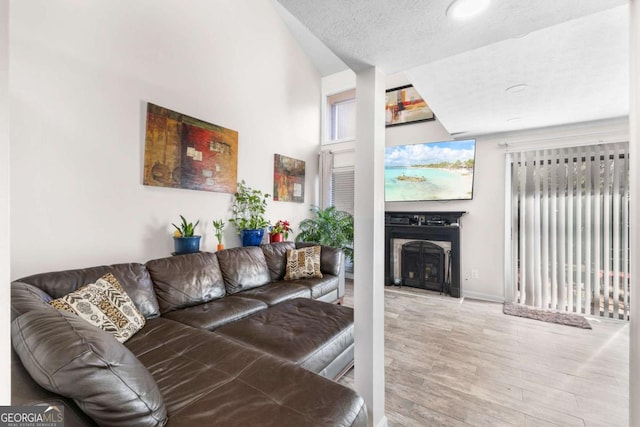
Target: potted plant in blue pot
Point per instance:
(183, 238)
(248, 210)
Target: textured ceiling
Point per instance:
(575, 72)
(572, 54)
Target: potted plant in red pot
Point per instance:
(280, 231)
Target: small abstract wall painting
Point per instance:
(184, 152)
(405, 105)
(288, 179)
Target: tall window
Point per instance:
(570, 229)
(341, 111)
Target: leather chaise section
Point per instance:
(207, 379)
(309, 333)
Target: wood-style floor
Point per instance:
(452, 362)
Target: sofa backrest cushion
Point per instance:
(66, 355)
(133, 277)
(331, 259)
(243, 268)
(276, 256)
(186, 280)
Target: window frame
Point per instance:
(331, 100)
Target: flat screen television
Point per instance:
(429, 171)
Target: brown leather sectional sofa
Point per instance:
(226, 342)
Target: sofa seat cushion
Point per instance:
(277, 292)
(318, 287)
(207, 379)
(66, 355)
(243, 268)
(213, 314)
(306, 332)
(186, 280)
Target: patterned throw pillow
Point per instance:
(303, 263)
(106, 305)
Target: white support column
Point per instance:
(5, 346)
(634, 217)
(369, 243)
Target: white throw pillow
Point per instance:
(106, 305)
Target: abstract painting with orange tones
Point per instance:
(288, 179)
(405, 105)
(184, 152)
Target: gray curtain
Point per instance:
(326, 170)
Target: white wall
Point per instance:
(82, 73)
(5, 367)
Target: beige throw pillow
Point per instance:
(106, 305)
(303, 263)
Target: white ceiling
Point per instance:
(571, 54)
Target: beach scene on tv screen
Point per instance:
(429, 171)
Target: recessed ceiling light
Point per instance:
(465, 9)
(516, 88)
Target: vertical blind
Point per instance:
(570, 229)
(342, 189)
(342, 197)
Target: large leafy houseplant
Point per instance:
(248, 209)
(330, 227)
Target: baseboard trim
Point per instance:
(383, 422)
(483, 297)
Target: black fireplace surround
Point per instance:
(443, 226)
